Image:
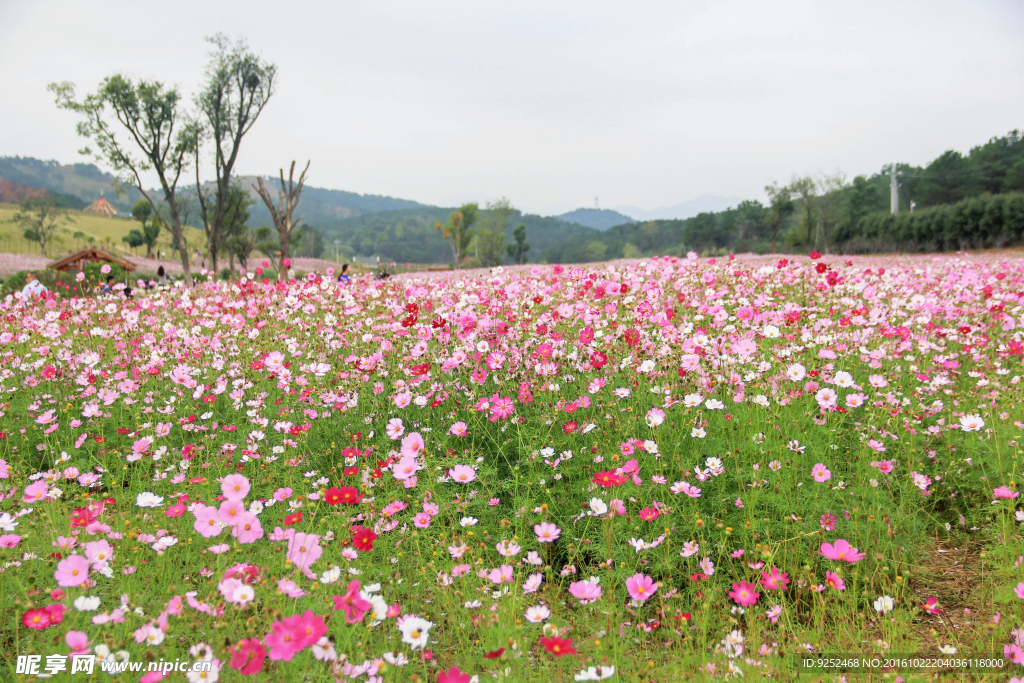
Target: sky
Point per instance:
(555, 105)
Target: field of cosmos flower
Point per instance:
(659, 470)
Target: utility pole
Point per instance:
(335, 250)
(894, 191)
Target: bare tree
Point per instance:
(281, 213)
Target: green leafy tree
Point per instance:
(780, 207)
(490, 233)
(123, 119)
(134, 238)
(239, 84)
(517, 250)
(807, 190)
(143, 213)
(750, 220)
(236, 216)
(39, 219)
(946, 180)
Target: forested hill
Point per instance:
(318, 204)
(408, 235)
(85, 182)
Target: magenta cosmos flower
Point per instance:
(744, 594)
(641, 587)
(841, 551)
(546, 532)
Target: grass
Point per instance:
(106, 233)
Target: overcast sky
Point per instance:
(554, 103)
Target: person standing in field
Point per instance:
(33, 287)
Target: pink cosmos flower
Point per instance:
(585, 591)
(640, 587)
(231, 511)
(775, 579)
(820, 473)
(395, 428)
(207, 521)
(303, 550)
(73, 571)
(744, 594)
(463, 474)
(235, 487)
(841, 551)
(546, 532)
(412, 445)
(352, 603)
(1005, 492)
(421, 520)
(458, 429)
(247, 529)
(282, 494)
(835, 581)
(406, 468)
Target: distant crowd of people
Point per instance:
(34, 288)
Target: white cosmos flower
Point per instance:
(646, 366)
(884, 604)
(971, 423)
(537, 614)
(598, 506)
(415, 632)
(468, 521)
(146, 499)
(87, 603)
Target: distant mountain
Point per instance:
(599, 219)
(705, 203)
(83, 181)
(318, 204)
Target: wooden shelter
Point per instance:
(101, 207)
(78, 260)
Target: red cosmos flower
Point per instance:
(631, 336)
(123, 430)
(421, 369)
(569, 427)
(649, 514)
(932, 606)
(820, 267)
(362, 539)
(815, 255)
(608, 479)
(598, 360)
(349, 495)
(494, 654)
(350, 471)
(559, 647)
(248, 656)
(36, 619)
(293, 519)
(333, 496)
